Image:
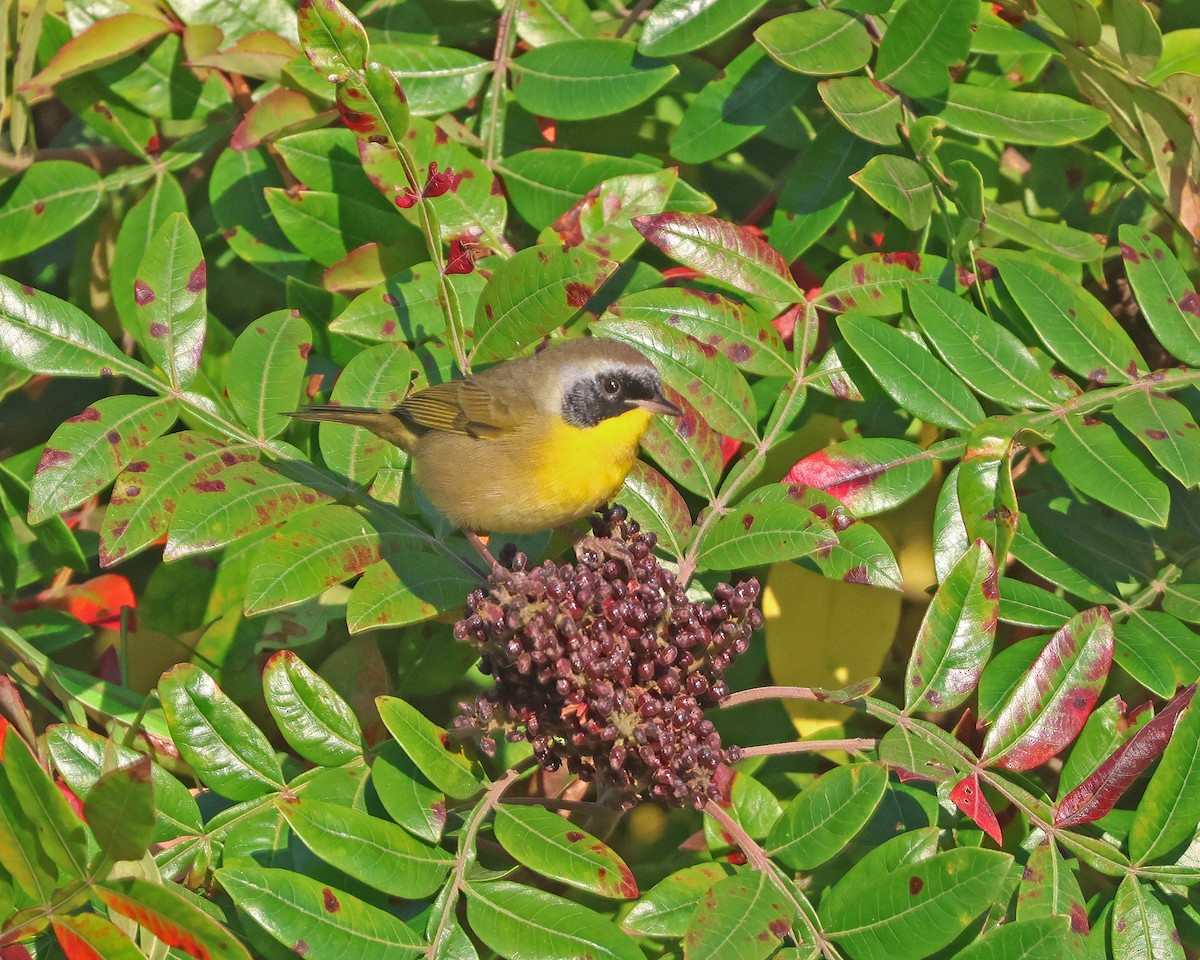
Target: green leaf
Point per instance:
(817, 192)
(328, 227)
(431, 749)
(899, 185)
(317, 723)
(686, 447)
(984, 353)
(79, 756)
(1049, 888)
(820, 41)
(372, 850)
(215, 738)
(1035, 119)
(546, 843)
(265, 371)
(531, 293)
(915, 909)
(766, 529)
(680, 26)
(666, 909)
(1045, 938)
(1169, 303)
(523, 923)
(956, 635)
(1063, 241)
(924, 42)
(1179, 55)
(1142, 925)
(741, 917)
(1026, 605)
(315, 550)
(1181, 645)
(864, 109)
(42, 204)
(299, 911)
(581, 79)
(1167, 814)
(435, 79)
(405, 306)
(406, 795)
(1071, 322)
(1166, 428)
(1050, 704)
(602, 221)
(1142, 655)
(40, 805)
(546, 21)
(1138, 36)
(1092, 456)
(910, 373)
(119, 809)
(171, 304)
(707, 379)
(736, 105)
(1078, 19)
(408, 588)
(45, 335)
(90, 935)
(145, 494)
(820, 822)
(86, 453)
(171, 918)
(723, 251)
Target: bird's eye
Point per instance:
(611, 386)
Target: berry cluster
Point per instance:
(606, 666)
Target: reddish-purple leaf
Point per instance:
(1098, 794)
(868, 476)
(722, 250)
(1049, 706)
(968, 797)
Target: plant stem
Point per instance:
(849, 745)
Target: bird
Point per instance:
(529, 444)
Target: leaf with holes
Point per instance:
(956, 635)
(868, 476)
(968, 796)
(546, 843)
(723, 251)
(88, 450)
(1051, 702)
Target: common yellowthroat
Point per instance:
(528, 444)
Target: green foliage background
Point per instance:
(966, 233)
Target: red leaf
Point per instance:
(1099, 793)
(969, 798)
(868, 476)
(96, 602)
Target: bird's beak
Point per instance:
(659, 404)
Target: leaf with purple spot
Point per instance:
(743, 916)
(686, 448)
(266, 370)
(1052, 701)
(768, 526)
(956, 635)
(87, 451)
(1166, 428)
(875, 284)
(1168, 300)
(170, 297)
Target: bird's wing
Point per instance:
(465, 406)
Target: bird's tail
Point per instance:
(382, 423)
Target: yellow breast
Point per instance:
(576, 469)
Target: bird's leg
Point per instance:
(481, 548)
